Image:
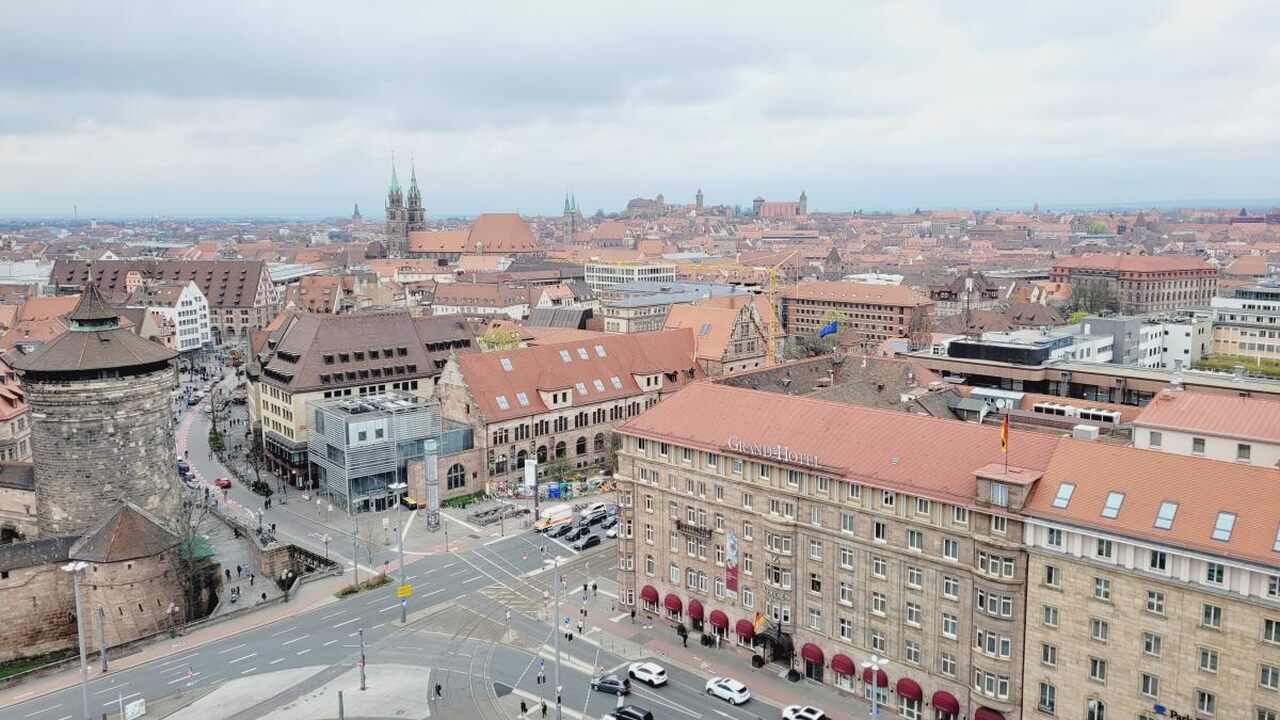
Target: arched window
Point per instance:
(521, 457)
(599, 442)
(456, 477)
(582, 445)
(560, 449)
(1096, 710)
(542, 454)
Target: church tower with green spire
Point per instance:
(417, 216)
(570, 213)
(397, 229)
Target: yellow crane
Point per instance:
(771, 293)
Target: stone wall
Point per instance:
(134, 597)
(37, 609)
(18, 511)
(99, 440)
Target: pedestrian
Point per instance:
(239, 570)
(251, 579)
(584, 588)
(633, 616)
(594, 590)
(273, 528)
(524, 708)
(439, 691)
(228, 572)
(544, 708)
(264, 597)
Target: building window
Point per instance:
(911, 652)
(1211, 616)
(1105, 550)
(999, 494)
(1053, 538)
(1099, 630)
(879, 604)
(1049, 654)
(913, 614)
(1206, 702)
(947, 664)
(1098, 669)
(881, 531)
(1048, 701)
(1244, 452)
(1271, 631)
(456, 477)
(1158, 561)
(879, 567)
(1049, 615)
(922, 506)
(1155, 602)
(1052, 576)
(999, 524)
(951, 549)
(1197, 446)
(846, 523)
(1208, 660)
(1102, 589)
(1152, 644)
(1269, 676)
(950, 587)
(949, 625)
(1095, 710)
(1214, 572)
(1155, 438)
(959, 515)
(915, 540)
(915, 577)
(877, 641)
(888, 499)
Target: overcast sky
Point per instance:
(216, 108)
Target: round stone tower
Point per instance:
(101, 421)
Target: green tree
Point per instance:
(1093, 296)
(1076, 317)
(1094, 226)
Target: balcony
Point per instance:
(694, 530)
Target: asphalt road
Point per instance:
(509, 573)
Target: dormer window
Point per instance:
(1111, 508)
(1165, 515)
(1064, 495)
(1225, 524)
(999, 494)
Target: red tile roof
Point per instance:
(1202, 488)
(502, 233)
(1221, 415)
(898, 451)
(543, 368)
(439, 241)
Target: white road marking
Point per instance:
(332, 615)
(282, 632)
(393, 607)
(446, 567)
(113, 687)
(246, 657)
(623, 616)
(246, 672)
(304, 652)
(346, 622)
(51, 707)
(463, 523)
(329, 643)
(408, 524)
(234, 647)
(290, 642)
(184, 657)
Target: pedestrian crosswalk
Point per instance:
(517, 601)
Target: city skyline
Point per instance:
(249, 110)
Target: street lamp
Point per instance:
(445, 522)
(326, 540)
(876, 665)
(75, 568)
(404, 601)
(259, 519)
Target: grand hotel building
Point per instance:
(855, 532)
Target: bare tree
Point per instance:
(192, 559)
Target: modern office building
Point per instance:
(361, 446)
(1247, 324)
(602, 275)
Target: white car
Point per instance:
(729, 690)
(611, 532)
(802, 712)
(651, 673)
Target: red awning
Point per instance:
(882, 680)
(909, 689)
(988, 714)
(672, 603)
(946, 702)
(719, 619)
(695, 610)
(842, 665)
(649, 594)
(811, 653)
(745, 629)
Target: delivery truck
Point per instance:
(550, 517)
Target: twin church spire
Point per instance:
(403, 219)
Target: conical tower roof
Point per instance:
(93, 342)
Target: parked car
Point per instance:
(628, 712)
(609, 522)
(611, 532)
(183, 466)
(586, 542)
(592, 517)
(193, 400)
(729, 690)
(576, 533)
(803, 712)
(223, 483)
(558, 531)
(611, 684)
(651, 673)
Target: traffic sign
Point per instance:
(404, 591)
(566, 620)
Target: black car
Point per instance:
(586, 542)
(612, 684)
(629, 712)
(561, 530)
(609, 522)
(576, 533)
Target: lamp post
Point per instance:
(75, 568)
(876, 665)
(259, 519)
(326, 540)
(404, 602)
(445, 522)
(171, 612)
(559, 627)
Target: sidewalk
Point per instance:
(310, 595)
(611, 627)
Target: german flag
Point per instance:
(759, 622)
(1004, 436)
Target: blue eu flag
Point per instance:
(828, 329)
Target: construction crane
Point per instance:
(771, 293)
